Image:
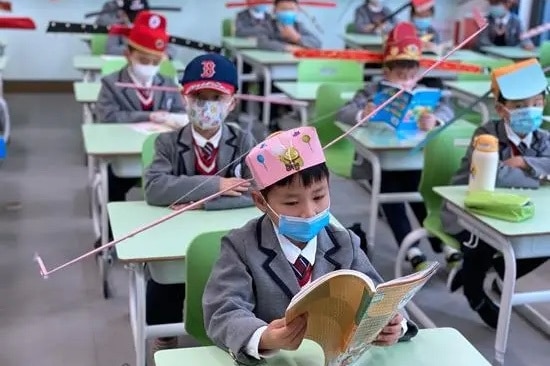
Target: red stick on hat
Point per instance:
(17, 23)
(321, 4)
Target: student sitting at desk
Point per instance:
(110, 14)
(524, 150)
(144, 52)
(128, 12)
(197, 161)
(266, 262)
(504, 27)
(251, 22)
(423, 18)
(369, 15)
(401, 63)
(284, 33)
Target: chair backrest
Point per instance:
(167, 69)
(491, 65)
(350, 28)
(328, 100)
(442, 156)
(98, 44)
(112, 65)
(228, 27)
(147, 153)
(544, 54)
(201, 255)
(330, 71)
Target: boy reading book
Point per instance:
(402, 53)
(264, 264)
(524, 151)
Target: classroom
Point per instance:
(277, 182)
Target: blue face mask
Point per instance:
(422, 23)
(303, 230)
(523, 121)
(286, 17)
(261, 9)
(498, 11)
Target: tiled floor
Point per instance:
(65, 321)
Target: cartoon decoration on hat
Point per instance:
(402, 43)
(142, 28)
(129, 6)
(284, 153)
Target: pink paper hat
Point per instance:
(283, 154)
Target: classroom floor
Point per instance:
(65, 321)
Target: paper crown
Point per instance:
(283, 154)
(403, 43)
(147, 34)
(518, 81)
(210, 71)
(422, 5)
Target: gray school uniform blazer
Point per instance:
(248, 26)
(252, 282)
(514, 28)
(365, 16)
(348, 113)
(116, 104)
(537, 157)
(272, 40)
(172, 173)
(111, 16)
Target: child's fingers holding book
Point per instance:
(280, 335)
(391, 333)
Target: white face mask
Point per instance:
(145, 73)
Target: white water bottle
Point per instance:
(484, 165)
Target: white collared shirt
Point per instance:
(291, 252)
(201, 141)
(503, 21)
(515, 139)
(256, 15)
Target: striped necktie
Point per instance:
(207, 150)
(302, 270)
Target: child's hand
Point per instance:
(280, 335)
(289, 33)
(292, 48)
(516, 162)
(179, 206)
(427, 121)
(369, 108)
(528, 47)
(391, 332)
(159, 116)
(236, 191)
(369, 27)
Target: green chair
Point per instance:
(147, 154)
(544, 55)
(442, 157)
(330, 71)
(168, 70)
(350, 28)
(228, 27)
(201, 255)
(112, 65)
(339, 156)
(98, 44)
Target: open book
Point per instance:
(173, 122)
(404, 112)
(346, 311)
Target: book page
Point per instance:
(332, 306)
(395, 111)
(148, 128)
(390, 298)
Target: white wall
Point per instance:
(37, 55)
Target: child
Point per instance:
(401, 65)
(265, 263)
(202, 153)
(284, 33)
(145, 51)
(251, 22)
(524, 151)
(422, 17)
(110, 14)
(369, 15)
(504, 27)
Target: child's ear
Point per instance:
(259, 201)
(233, 104)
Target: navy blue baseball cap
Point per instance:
(211, 71)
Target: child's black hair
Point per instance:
(308, 176)
(413, 11)
(402, 64)
(275, 2)
(503, 100)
